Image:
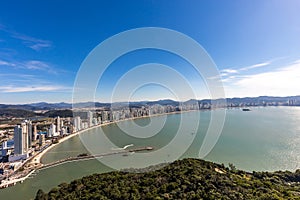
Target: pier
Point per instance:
(11, 181)
(87, 157)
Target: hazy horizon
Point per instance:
(145, 100)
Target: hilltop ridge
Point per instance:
(182, 179)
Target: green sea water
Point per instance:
(264, 139)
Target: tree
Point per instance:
(232, 167)
(40, 195)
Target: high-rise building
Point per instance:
(58, 124)
(63, 131)
(21, 139)
(104, 116)
(77, 124)
(110, 116)
(90, 118)
(29, 132)
(4, 148)
(41, 139)
(34, 133)
(52, 131)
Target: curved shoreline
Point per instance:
(39, 156)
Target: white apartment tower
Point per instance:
(58, 124)
(34, 132)
(90, 118)
(21, 139)
(52, 131)
(77, 123)
(29, 132)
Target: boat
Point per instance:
(246, 109)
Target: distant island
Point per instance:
(182, 179)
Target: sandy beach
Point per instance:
(38, 157)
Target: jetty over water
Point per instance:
(87, 157)
(11, 182)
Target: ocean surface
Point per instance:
(264, 139)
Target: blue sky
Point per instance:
(255, 45)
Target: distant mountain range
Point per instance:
(44, 106)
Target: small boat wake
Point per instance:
(124, 148)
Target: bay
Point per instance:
(264, 139)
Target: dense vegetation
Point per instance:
(60, 113)
(183, 179)
(8, 112)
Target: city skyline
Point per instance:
(255, 46)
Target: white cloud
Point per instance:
(39, 46)
(30, 65)
(228, 79)
(39, 65)
(296, 62)
(37, 88)
(31, 42)
(229, 71)
(5, 63)
(256, 66)
(36, 65)
(282, 82)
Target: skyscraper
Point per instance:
(34, 134)
(58, 124)
(52, 131)
(90, 118)
(18, 140)
(4, 148)
(77, 123)
(21, 139)
(41, 139)
(29, 132)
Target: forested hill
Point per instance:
(183, 179)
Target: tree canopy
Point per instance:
(182, 179)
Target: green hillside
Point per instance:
(183, 179)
